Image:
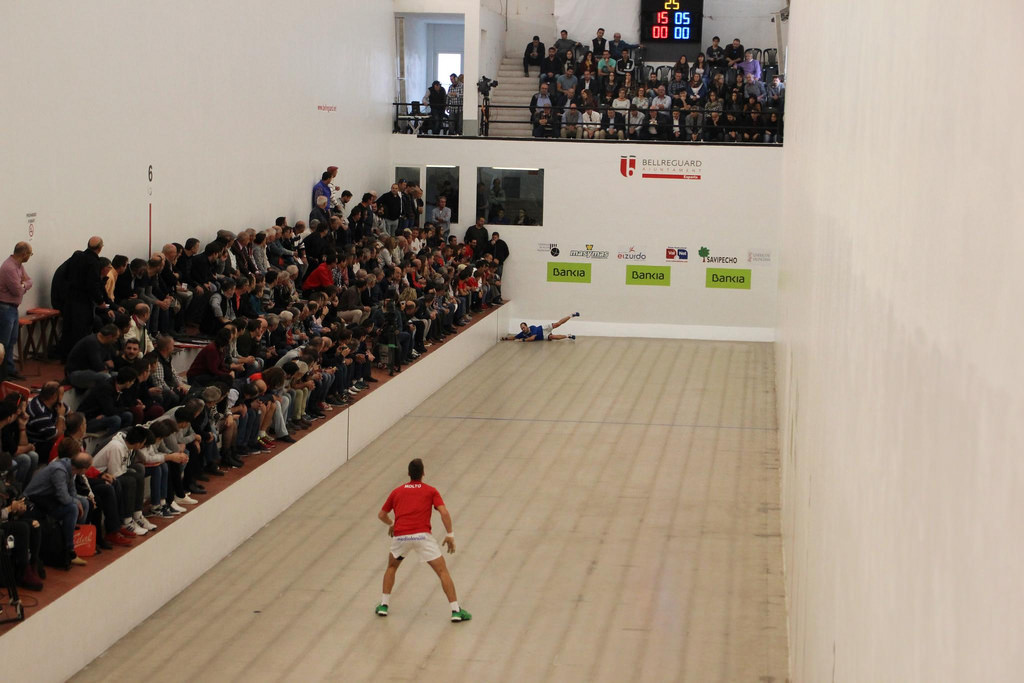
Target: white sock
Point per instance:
(127, 521)
(384, 597)
(455, 606)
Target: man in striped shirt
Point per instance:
(455, 105)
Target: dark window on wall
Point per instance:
(510, 196)
(410, 174)
(442, 181)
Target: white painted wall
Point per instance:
(416, 58)
(748, 20)
(734, 208)
(222, 103)
(492, 45)
(900, 369)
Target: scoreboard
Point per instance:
(671, 22)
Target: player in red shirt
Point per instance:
(413, 504)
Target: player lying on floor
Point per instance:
(541, 332)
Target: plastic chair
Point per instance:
(756, 52)
(664, 74)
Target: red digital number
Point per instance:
(659, 32)
(662, 17)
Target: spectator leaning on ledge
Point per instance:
(14, 282)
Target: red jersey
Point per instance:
(412, 503)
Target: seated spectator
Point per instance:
(677, 127)
(625, 70)
(106, 406)
(750, 66)
(775, 94)
(696, 92)
(617, 45)
(14, 438)
(587, 82)
(567, 81)
(733, 53)
(661, 112)
(700, 68)
(322, 276)
(543, 124)
(716, 55)
(210, 364)
(130, 352)
(220, 309)
(773, 127)
(694, 123)
(714, 127)
(592, 124)
(91, 358)
(52, 494)
(571, 121)
(606, 69)
(677, 89)
(713, 103)
(733, 128)
(46, 414)
(16, 523)
(635, 129)
(117, 459)
(155, 457)
(533, 55)
(754, 88)
(719, 87)
(755, 126)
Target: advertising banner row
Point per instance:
(638, 272)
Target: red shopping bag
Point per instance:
(85, 540)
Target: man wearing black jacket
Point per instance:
(599, 43)
(499, 250)
(479, 233)
(393, 208)
(532, 55)
(104, 406)
(84, 293)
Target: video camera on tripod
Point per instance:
(484, 86)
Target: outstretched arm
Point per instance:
(446, 519)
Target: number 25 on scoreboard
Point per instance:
(672, 4)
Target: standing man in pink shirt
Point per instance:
(14, 282)
(413, 504)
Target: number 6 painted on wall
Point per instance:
(150, 174)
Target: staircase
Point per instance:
(513, 89)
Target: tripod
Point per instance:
(485, 116)
(7, 571)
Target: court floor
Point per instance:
(616, 509)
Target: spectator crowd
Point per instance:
(602, 90)
(289, 322)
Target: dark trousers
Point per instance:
(66, 515)
(194, 467)
(132, 489)
(106, 507)
(109, 424)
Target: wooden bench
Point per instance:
(31, 344)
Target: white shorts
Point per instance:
(424, 544)
(547, 331)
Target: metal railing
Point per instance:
(414, 119)
(614, 125)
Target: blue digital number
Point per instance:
(681, 33)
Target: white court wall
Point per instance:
(899, 363)
(238, 111)
(732, 210)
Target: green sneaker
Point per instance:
(382, 610)
(461, 615)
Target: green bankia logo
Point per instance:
(728, 278)
(656, 276)
(569, 272)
